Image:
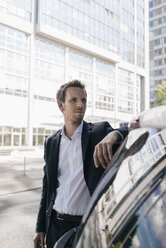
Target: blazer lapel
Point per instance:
(85, 137)
(54, 159)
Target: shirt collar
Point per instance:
(78, 130)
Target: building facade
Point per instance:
(157, 23)
(46, 43)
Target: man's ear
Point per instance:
(61, 106)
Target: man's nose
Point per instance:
(79, 104)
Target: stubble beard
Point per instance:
(77, 121)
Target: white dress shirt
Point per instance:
(72, 194)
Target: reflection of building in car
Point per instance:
(128, 208)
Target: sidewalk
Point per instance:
(20, 172)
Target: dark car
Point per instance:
(128, 207)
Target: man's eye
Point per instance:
(73, 100)
(84, 100)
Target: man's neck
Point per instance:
(70, 128)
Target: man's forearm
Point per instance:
(103, 150)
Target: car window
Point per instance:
(146, 227)
(103, 222)
(135, 167)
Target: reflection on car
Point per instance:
(128, 207)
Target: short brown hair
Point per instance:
(61, 93)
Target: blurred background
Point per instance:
(46, 43)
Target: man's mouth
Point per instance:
(79, 111)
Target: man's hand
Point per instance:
(38, 240)
(103, 150)
(134, 124)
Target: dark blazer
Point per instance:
(92, 134)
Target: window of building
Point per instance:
(105, 85)
(14, 62)
(150, 4)
(81, 70)
(126, 91)
(104, 102)
(151, 13)
(151, 24)
(83, 22)
(20, 9)
(12, 136)
(49, 69)
(7, 140)
(39, 135)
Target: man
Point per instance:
(75, 158)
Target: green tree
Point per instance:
(160, 94)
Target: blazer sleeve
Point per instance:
(123, 131)
(41, 224)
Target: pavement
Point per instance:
(20, 189)
(21, 171)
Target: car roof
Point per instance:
(154, 117)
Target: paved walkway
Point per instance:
(20, 172)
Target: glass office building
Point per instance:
(46, 43)
(157, 23)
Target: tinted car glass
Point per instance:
(146, 227)
(124, 210)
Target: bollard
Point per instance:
(24, 165)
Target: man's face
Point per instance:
(75, 105)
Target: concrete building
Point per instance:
(46, 43)
(157, 23)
